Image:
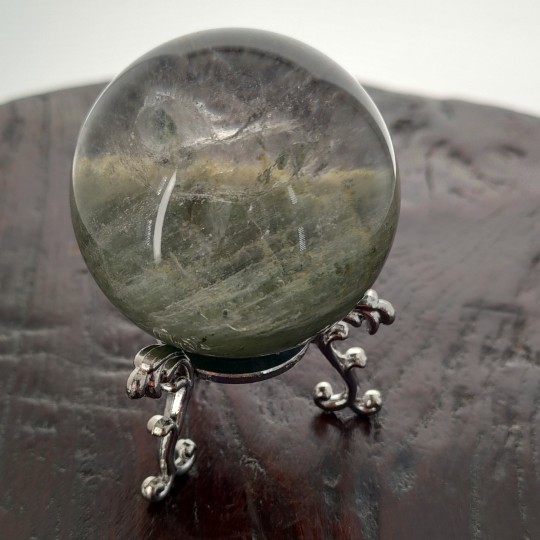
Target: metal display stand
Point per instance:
(162, 368)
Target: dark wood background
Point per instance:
(454, 454)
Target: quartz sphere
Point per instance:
(234, 193)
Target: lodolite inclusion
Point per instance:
(234, 193)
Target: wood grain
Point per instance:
(454, 454)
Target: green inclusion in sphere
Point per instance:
(234, 193)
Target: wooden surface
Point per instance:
(454, 454)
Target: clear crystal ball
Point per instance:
(234, 193)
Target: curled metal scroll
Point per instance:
(375, 312)
(161, 368)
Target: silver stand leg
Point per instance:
(161, 368)
(374, 312)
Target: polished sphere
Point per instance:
(234, 193)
